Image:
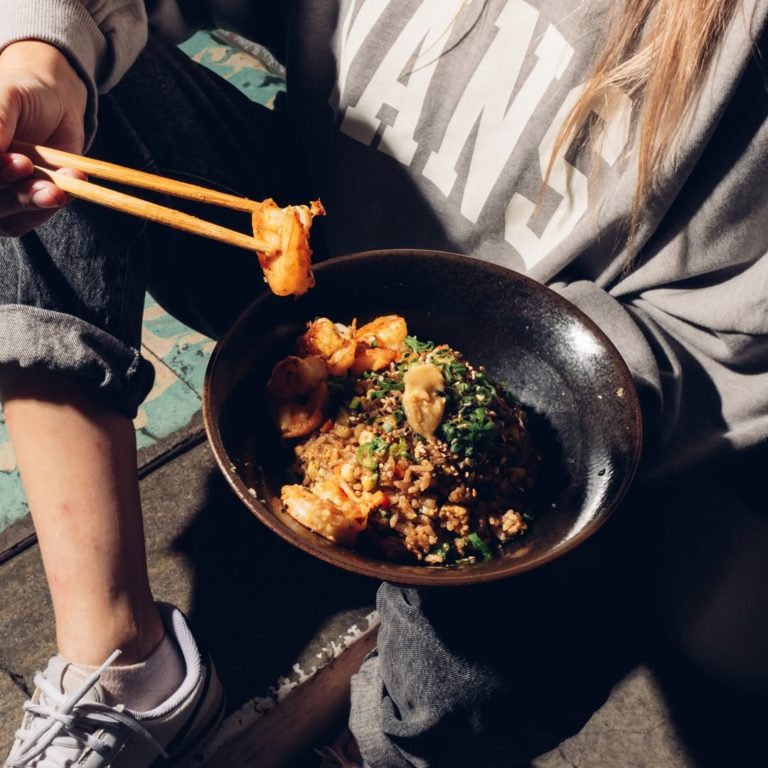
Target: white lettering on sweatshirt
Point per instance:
(608, 141)
(487, 122)
(354, 31)
(413, 58)
(486, 103)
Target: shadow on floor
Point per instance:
(719, 726)
(261, 605)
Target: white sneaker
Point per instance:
(78, 728)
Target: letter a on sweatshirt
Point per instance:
(402, 79)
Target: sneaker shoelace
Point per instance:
(66, 721)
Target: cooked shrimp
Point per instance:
(339, 493)
(323, 516)
(323, 337)
(298, 394)
(378, 343)
(371, 359)
(288, 265)
(333, 342)
(388, 331)
(342, 359)
(294, 375)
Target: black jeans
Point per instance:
(72, 292)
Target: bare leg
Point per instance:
(91, 266)
(77, 460)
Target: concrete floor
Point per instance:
(273, 616)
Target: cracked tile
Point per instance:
(13, 506)
(182, 350)
(170, 406)
(242, 69)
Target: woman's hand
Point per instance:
(42, 101)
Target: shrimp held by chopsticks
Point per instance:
(288, 265)
(280, 235)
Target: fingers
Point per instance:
(30, 194)
(26, 202)
(9, 114)
(14, 167)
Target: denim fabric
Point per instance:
(72, 292)
(69, 302)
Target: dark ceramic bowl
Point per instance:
(582, 404)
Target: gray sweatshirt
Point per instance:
(439, 116)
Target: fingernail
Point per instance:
(43, 198)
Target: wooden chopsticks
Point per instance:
(100, 169)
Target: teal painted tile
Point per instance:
(13, 506)
(183, 350)
(170, 406)
(242, 69)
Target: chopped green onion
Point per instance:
(418, 346)
(365, 456)
(441, 550)
(478, 544)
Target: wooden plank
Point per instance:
(285, 734)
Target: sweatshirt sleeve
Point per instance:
(699, 354)
(690, 316)
(101, 38)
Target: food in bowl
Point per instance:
(402, 446)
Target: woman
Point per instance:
(622, 167)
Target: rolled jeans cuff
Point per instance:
(31, 337)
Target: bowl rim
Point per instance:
(390, 571)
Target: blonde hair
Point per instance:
(658, 51)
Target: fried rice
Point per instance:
(385, 484)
